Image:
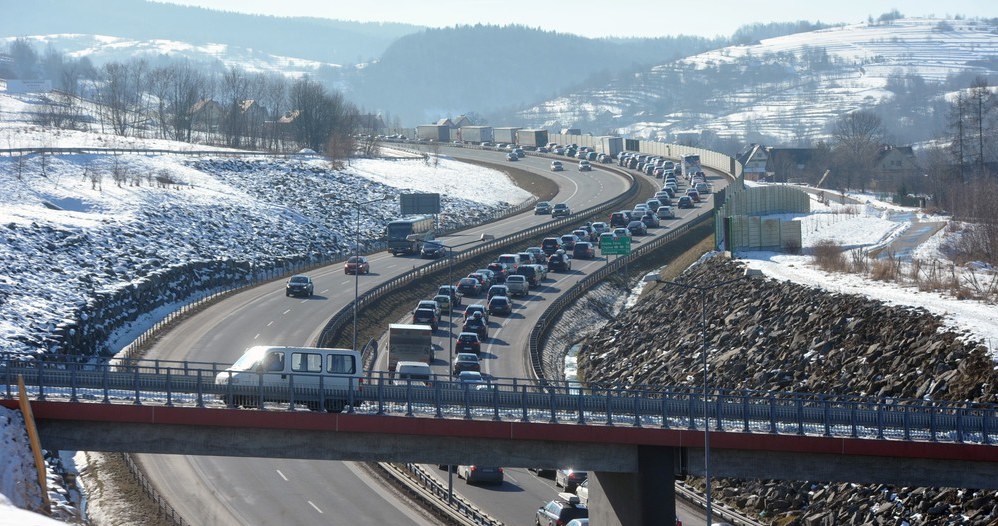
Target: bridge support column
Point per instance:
(645, 498)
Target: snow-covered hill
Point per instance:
(788, 87)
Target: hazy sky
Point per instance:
(605, 17)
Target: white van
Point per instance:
(329, 374)
(417, 373)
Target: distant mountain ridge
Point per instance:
(316, 39)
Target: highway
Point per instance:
(214, 490)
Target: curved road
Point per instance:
(219, 490)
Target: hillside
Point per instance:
(309, 39)
(789, 88)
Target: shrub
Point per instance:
(792, 246)
(829, 255)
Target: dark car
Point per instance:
(619, 219)
(650, 219)
(480, 474)
(512, 157)
(583, 250)
(550, 245)
(569, 478)
(357, 265)
(559, 262)
(432, 250)
(685, 202)
(500, 306)
(468, 342)
(542, 208)
(499, 272)
(561, 510)
(497, 290)
(299, 286)
(568, 241)
(529, 272)
(467, 361)
(637, 228)
(425, 317)
(451, 290)
(482, 310)
(561, 210)
(477, 325)
(469, 287)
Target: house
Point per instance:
(206, 115)
(754, 159)
(461, 120)
(445, 122)
(894, 164)
(252, 112)
(794, 165)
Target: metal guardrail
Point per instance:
(511, 399)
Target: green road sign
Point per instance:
(616, 247)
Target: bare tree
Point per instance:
(187, 86)
(119, 95)
(858, 137)
(233, 92)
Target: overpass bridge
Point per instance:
(635, 439)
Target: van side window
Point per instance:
(302, 362)
(274, 362)
(341, 364)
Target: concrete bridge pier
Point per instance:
(645, 498)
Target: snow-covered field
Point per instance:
(865, 227)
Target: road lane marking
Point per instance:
(257, 336)
(287, 311)
(281, 474)
(271, 323)
(314, 506)
(323, 291)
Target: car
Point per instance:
(477, 324)
(640, 207)
(582, 490)
(497, 290)
(569, 478)
(425, 317)
(670, 191)
(531, 272)
(562, 509)
(561, 210)
(469, 287)
(556, 166)
(357, 265)
(619, 218)
(299, 285)
(538, 254)
(444, 302)
(583, 250)
(499, 271)
(685, 202)
(429, 304)
(665, 212)
(511, 261)
(653, 204)
(621, 232)
(605, 236)
(466, 361)
(481, 309)
(693, 194)
(584, 234)
(599, 227)
(500, 306)
(468, 342)
(703, 188)
(526, 258)
(455, 295)
(550, 245)
(650, 220)
(578, 522)
(490, 276)
(637, 228)
(480, 474)
(483, 280)
(518, 285)
(584, 166)
(560, 262)
(568, 241)
(432, 250)
(512, 157)
(541, 270)
(542, 208)
(519, 153)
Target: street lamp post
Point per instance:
(703, 290)
(356, 251)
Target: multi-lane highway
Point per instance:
(235, 491)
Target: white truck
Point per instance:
(409, 343)
(517, 285)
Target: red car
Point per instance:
(357, 265)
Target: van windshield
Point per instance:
(249, 360)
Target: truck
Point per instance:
(531, 138)
(611, 145)
(505, 135)
(691, 164)
(476, 134)
(433, 132)
(409, 343)
(407, 235)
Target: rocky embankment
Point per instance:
(764, 334)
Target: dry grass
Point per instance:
(829, 256)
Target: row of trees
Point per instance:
(190, 102)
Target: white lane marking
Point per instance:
(323, 291)
(314, 506)
(271, 323)
(257, 336)
(281, 474)
(287, 311)
(344, 282)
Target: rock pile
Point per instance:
(768, 335)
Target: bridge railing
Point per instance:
(505, 399)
